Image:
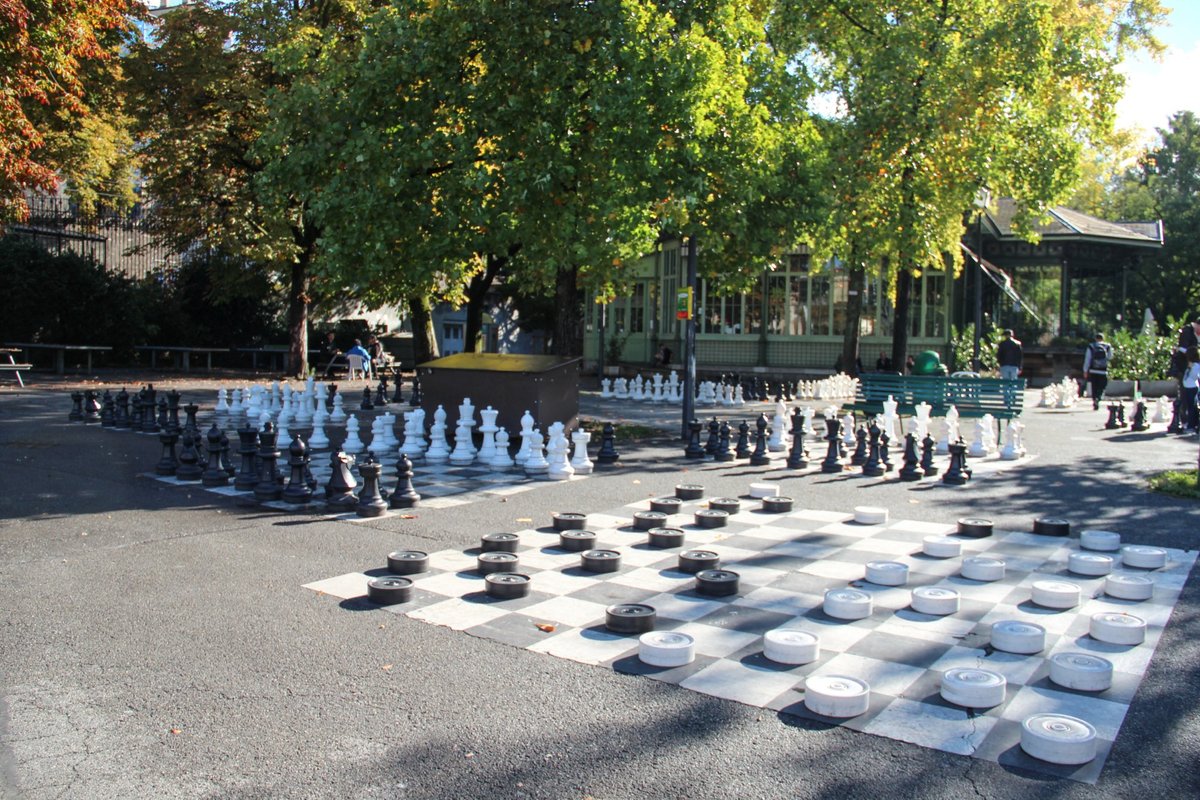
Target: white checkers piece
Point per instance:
(1104, 541)
(761, 490)
(1143, 557)
(1083, 672)
(1129, 587)
(1014, 636)
(1058, 739)
(936, 601)
(1090, 564)
(790, 646)
(837, 695)
(1117, 628)
(847, 604)
(1055, 594)
(887, 573)
(982, 568)
(941, 547)
(973, 688)
(870, 515)
(666, 648)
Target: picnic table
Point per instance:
(184, 354)
(9, 364)
(60, 351)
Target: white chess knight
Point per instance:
(778, 442)
(580, 461)
(951, 434)
(439, 448)
(353, 445)
(501, 460)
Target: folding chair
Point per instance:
(354, 367)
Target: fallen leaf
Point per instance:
(544, 627)
(175, 731)
(407, 516)
(387, 666)
(635, 480)
(524, 519)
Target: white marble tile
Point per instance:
(714, 641)
(948, 729)
(457, 614)
(567, 610)
(450, 584)
(1104, 715)
(586, 646)
(352, 584)
(1016, 669)
(885, 677)
(780, 601)
(653, 579)
(682, 607)
(734, 680)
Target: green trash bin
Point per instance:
(928, 362)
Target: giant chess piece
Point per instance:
(149, 407)
(135, 411)
(121, 418)
(1120, 414)
(1178, 416)
(884, 455)
(1138, 423)
(759, 457)
(91, 409)
(169, 462)
(366, 404)
(439, 448)
(833, 451)
(339, 491)
(108, 410)
(743, 440)
(76, 414)
(694, 449)
(723, 453)
(957, 473)
(487, 428)
(797, 457)
(370, 501)
(268, 487)
(404, 495)
(298, 492)
(778, 441)
(247, 477)
(189, 424)
(226, 463)
(608, 454)
(501, 460)
(414, 397)
(463, 453)
(215, 474)
(174, 398)
(381, 392)
(352, 444)
(859, 456)
(911, 471)
(873, 467)
(579, 460)
(398, 395)
(163, 420)
(189, 468)
(714, 437)
(927, 447)
(1113, 423)
(536, 466)
(560, 468)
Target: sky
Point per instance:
(1155, 90)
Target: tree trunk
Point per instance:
(477, 290)
(298, 317)
(904, 282)
(854, 303)
(568, 324)
(425, 347)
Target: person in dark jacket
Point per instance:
(1010, 356)
(1095, 367)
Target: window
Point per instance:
(819, 294)
(637, 308)
(935, 305)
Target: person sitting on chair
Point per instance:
(663, 357)
(378, 357)
(360, 351)
(329, 353)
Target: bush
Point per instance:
(962, 347)
(1143, 357)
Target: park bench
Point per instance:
(972, 397)
(60, 351)
(11, 365)
(182, 354)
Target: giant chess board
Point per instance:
(786, 562)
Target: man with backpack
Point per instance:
(1095, 367)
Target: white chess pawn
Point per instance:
(535, 465)
(439, 448)
(501, 459)
(739, 398)
(302, 406)
(318, 440)
(282, 434)
(463, 453)
(338, 416)
(389, 433)
(580, 461)
(353, 445)
(321, 410)
(1012, 449)
(222, 409)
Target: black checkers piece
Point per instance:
(1052, 526)
(576, 541)
(730, 505)
(711, 518)
(487, 563)
(499, 543)
(407, 562)
(506, 585)
(569, 521)
(630, 618)
(645, 520)
(689, 491)
(601, 560)
(666, 537)
(667, 505)
(777, 505)
(975, 527)
(717, 582)
(693, 561)
(387, 590)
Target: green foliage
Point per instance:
(1177, 483)
(1139, 357)
(962, 348)
(614, 347)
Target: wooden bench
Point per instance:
(11, 365)
(972, 397)
(60, 351)
(184, 354)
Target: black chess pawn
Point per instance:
(76, 414)
(797, 458)
(214, 474)
(957, 472)
(759, 457)
(927, 465)
(189, 468)
(381, 391)
(339, 491)
(743, 440)
(414, 397)
(163, 421)
(1176, 424)
(370, 501)
(873, 466)
(833, 450)
(884, 454)
(169, 463)
(226, 461)
(1138, 423)
(298, 492)
(121, 418)
(267, 488)
(694, 449)
(398, 396)
(135, 413)
(1113, 423)
(608, 445)
(911, 471)
(366, 404)
(108, 410)
(247, 477)
(404, 495)
(714, 437)
(723, 452)
(329, 398)
(859, 456)
(91, 407)
(189, 419)
(173, 399)
(149, 407)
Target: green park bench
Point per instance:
(972, 397)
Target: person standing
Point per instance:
(1010, 356)
(1095, 367)
(1189, 414)
(1189, 337)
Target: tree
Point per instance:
(58, 112)
(939, 99)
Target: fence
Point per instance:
(120, 241)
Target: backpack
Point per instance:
(1099, 356)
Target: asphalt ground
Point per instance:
(156, 642)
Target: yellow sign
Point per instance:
(683, 304)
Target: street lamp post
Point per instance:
(982, 200)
